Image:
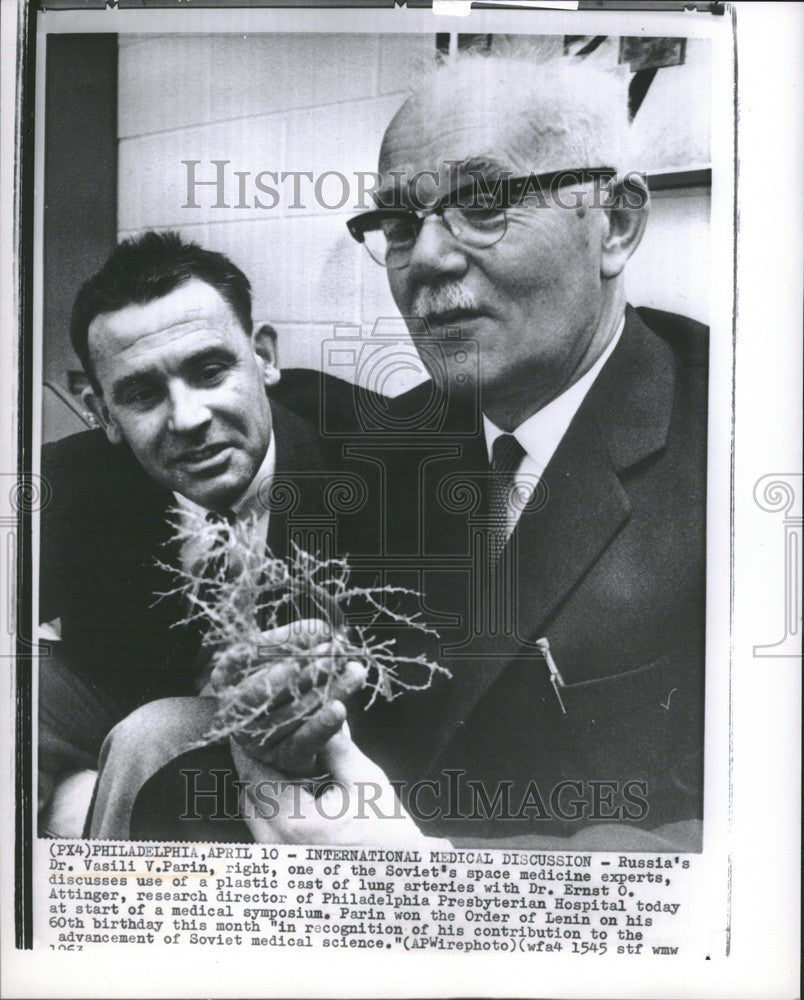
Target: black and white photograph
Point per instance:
(511, 426)
(378, 409)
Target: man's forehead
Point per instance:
(484, 136)
(186, 312)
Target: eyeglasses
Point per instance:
(472, 214)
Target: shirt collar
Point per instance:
(542, 432)
(251, 501)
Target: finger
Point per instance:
(305, 632)
(278, 654)
(348, 681)
(289, 797)
(346, 763)
(270, 671)
(282, 681)
(282, 717)
(287, 684)
(278, 724)
(263, 735)
(277, 645)
(297, 754)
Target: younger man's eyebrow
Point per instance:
(215, 353)
(123, 385)
(190, 363)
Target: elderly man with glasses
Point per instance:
(554, 514)
(568, 575)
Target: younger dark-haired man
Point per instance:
(180, 387)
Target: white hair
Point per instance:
(573, 111)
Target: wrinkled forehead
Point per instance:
(180, 317)
(486, 128)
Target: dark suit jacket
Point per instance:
(609, 566)
(101, 535)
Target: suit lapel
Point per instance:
(298, 482)
(585, 506)
(623, 420)
(157, 509)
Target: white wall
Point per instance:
(670, 270)
(321, 102)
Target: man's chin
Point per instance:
(215, 492)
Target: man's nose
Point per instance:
(189, 410)
(436, 251)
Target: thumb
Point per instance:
(346, 763)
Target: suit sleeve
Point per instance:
(73, 719)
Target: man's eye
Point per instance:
(482, 216)
(212, 374)
(398, 230)
(141, 397)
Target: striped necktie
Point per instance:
(216, 564)
(506, 455)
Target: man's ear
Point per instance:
(627, 215)
(94, 402)
(263, 341)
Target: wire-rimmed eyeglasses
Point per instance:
(473, 214)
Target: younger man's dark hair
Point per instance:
(145, 268)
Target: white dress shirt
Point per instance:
(252, 504)
(541, 433)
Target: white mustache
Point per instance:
(441, 299)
